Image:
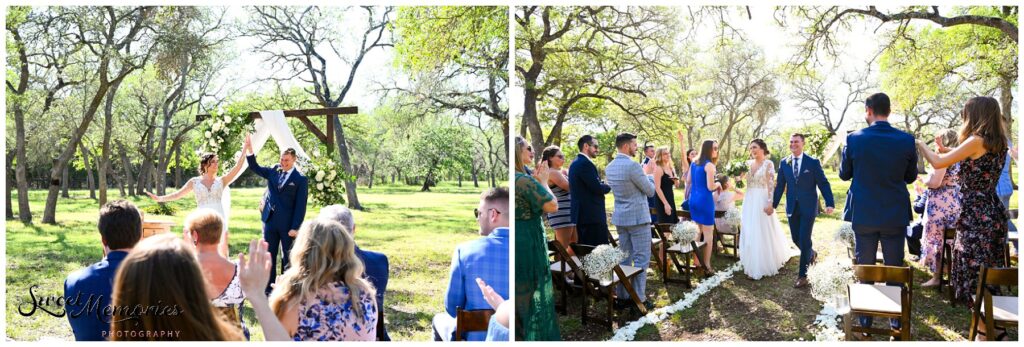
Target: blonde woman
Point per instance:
(325, 286)
(665, 180)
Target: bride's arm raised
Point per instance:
(187, 188)
(230, 176)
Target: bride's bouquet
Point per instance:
(600, 262)
(685, 231)
(326, 186)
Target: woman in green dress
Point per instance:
(535, 298)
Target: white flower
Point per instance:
(320, 175)
(227, 119)
(602, 260)
(216, 126)
(829, 277)
(213, 144)
(320, 186)
(333, 173)
(732, 216)
(316, 152)
(845, 234)
(209, 134)
(685, 231)
(330, 163)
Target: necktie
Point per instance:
(280, 182)
(796, 168)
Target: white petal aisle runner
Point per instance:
(628, 331)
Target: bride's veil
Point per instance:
(272, 124)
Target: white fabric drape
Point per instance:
(272, 124)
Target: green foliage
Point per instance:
(223, 132)
(439, 149)
(326, 178)
(431, 38)
(163, 209)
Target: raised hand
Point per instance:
(254, 270)
(247, 145)
(492, 297)
(542, 172)
(153, 196)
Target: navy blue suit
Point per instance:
(802, 201)
(881, 161)
(87, 294)
(587, 209)
(377, 272)
(284, 209)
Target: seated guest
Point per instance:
(485, 258)
(205, 227)
(87, 291)
(942, 209)
(376, 264)
(162, 273)
(726, 199)
(325, 287)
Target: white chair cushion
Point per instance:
(1004, 307)
(876, 298)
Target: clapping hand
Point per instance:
(254, 270)
(492, 297)
(542, 172)
(939, 145)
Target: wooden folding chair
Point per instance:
(467, 321)
(676, 249)
(722, 245)
(946, 262)
(997, 311)
(880, 300)
(593, 288)
(562, 272)
(613, 233)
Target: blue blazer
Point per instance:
(586, 192)
(802, 193)
(377, 273)
(284, 208)
(881, 161)
(87, 293)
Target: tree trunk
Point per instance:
(108, 125)
(177, 166)
(67, 182)
(90, 181)
(21, 170)
(127, 166)
(10, 184)
(476, 182)
(346, 164)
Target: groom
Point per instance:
(801, 174)
(283, 207)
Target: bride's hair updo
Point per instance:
(204, 160)
(764, 147)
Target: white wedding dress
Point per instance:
(764, 248)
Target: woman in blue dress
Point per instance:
(702, 203)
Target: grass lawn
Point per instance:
(417, 231)
(769, 309)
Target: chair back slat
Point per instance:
(998, 276)
(719, 214)
(882, 273)
(467, 321)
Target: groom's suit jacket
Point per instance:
(802, 192)
(283, 208)
(881, 160)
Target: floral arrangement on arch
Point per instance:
(326, 179)
(223, 132)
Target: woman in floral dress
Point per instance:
(942, 209)
(982, 229)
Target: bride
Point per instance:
(763, 247)
(209, 189)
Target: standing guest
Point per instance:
(664, 182)
(324, 295)
(983, 225)
(163, 272)
(484, 259)
(561, 221)
(120, 226)
(701, 183)
(535, 299)
(687, 158)
(880, 160)
(942, 208)
(1004, 189)
(726, 199)
(648, 155)
(631, 216)
(376, 264)
(587, 209)
(223, 288)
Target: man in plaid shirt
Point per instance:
(485, 258)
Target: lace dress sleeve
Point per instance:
(530, 197)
